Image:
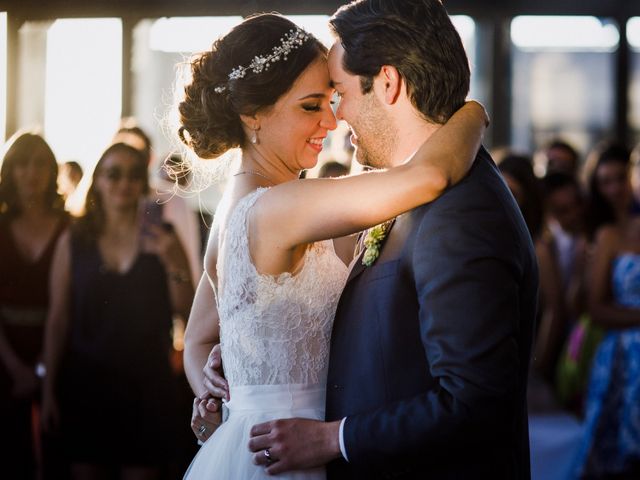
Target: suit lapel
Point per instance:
(357, 267)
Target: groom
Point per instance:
(431, 344)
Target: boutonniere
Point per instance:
(373, 242)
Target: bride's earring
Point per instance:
(254, 137)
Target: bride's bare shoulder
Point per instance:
(224, 211)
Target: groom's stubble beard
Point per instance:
(377, 134)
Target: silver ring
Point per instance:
(267, 455)
(202, 430)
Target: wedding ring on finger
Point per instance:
(202, 430)
(267, 455)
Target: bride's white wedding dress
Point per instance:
(274, 336)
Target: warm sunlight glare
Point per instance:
(196, 34)
(83, 96)
(318, 25)
(188, 34)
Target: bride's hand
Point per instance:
(463, 132)
(206, 417)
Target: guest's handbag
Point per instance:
(574, 365)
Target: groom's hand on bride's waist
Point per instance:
(294, 444)
(214, 380)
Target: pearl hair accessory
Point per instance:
(291, 40)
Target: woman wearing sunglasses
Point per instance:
(118, 280)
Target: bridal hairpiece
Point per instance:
(291, 40)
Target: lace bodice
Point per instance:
(274, 329)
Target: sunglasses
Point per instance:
(115, 174)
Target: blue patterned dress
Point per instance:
(611, 443)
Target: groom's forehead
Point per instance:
(336, 70)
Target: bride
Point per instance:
(265, 88)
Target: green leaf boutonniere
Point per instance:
(373, 242)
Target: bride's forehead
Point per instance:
(314, 81)
(315, 77)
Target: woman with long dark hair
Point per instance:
(610, 197)
(31, 220)
(612, 424)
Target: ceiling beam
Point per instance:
(51, 9)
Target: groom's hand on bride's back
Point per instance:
(214, 380)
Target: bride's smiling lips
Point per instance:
(316, 143)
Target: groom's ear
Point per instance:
(390, 83)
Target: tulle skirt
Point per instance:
(226, 456)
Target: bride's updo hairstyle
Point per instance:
(213, 102)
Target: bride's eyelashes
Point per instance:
(316, 107)
(311, 108)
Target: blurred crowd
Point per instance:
(92, 305)
(583, 219)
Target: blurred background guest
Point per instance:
(610, 203)
(517, 171)
(607, 176)
(165, 202)
(611, 445)
(333, 169)
(119, 277)
(561, 252)
(31, 221)
(69, 178)
(557, 156)
(554, 434)
(162, 191)
(635, 173)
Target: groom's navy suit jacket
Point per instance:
(430, 346)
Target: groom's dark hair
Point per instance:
(415, 36)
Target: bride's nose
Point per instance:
(328, 120)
